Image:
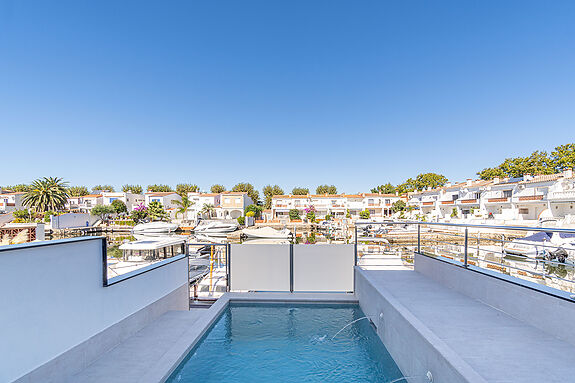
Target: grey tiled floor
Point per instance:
(131, 360)
(499, 347)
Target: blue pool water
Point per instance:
(288, 343)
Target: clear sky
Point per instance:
(298, 92)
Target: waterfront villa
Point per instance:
(84, 204)
(233, 205)
(131, 200)
(165, 198)
(200, 200)
(512, 200)
(337, 205)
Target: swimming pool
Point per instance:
(288, 343)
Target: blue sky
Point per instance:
(295, 93)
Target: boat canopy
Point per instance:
(540, 236)
(152, 244)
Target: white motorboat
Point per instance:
(155, 228)
(531, 246)
(266, 232)
(215, 227)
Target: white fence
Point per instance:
(292, 268)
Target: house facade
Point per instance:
(11, 201)
(130, 199)
(233, 204)
(84, 204)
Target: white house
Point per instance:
(200, 200)
(84, 203)
(165, 198)
(233, 204)
(10, 201)
(130, 199)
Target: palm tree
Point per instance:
(208, 209)
(184, 204)
(47, 194)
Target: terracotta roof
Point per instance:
(160, 194)
(90, 196)
(543, 178)
(234, 193)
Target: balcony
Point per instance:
(529, 198)
(498, 200)
(450, 202)
(468, 201)
(428, 203)
(567, 195)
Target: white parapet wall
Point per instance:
(323, 268)
(260, 267)
(57, 316)
(301, 268)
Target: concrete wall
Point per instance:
(521, 299)
(71, 220)
(57, 317)
(414, 348)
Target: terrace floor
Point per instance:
(132, 360)
(498, 347)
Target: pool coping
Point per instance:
(168, 363)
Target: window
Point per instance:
(507, 193)
(387, 201)
(454, 197)
(226, 200)
(155, 200)
(523, 210)
(370, 201)
(477, 195)
(112, 199)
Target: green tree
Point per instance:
(300, 191)
(241, 221)
(208, 209)
(538, 162)
(310, 215)
(294, 214)
(248, 188)
(384, 189)
(398, 206)
(563, 157)
(184, 189)
(184, 205)
(119, 206)
(364, 214)
(269, 192)
(20, 188)
(156, 211)
(454, 212)
(78, 191)
(139, 214)
(155, 188)
(21, 214)
(255, 208)
(103, 211)
(326, 189)
(135, 189)
(47, 193)
(421, 182)
(108, 188)
(217, 188)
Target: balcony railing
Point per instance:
(468, 201)
(498, 200)
(537, 197)
(562, 195)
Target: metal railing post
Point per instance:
(465, 248)
(418, 238)
(104, 262)
(228, 267)
(291, 268)
(355, 246)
